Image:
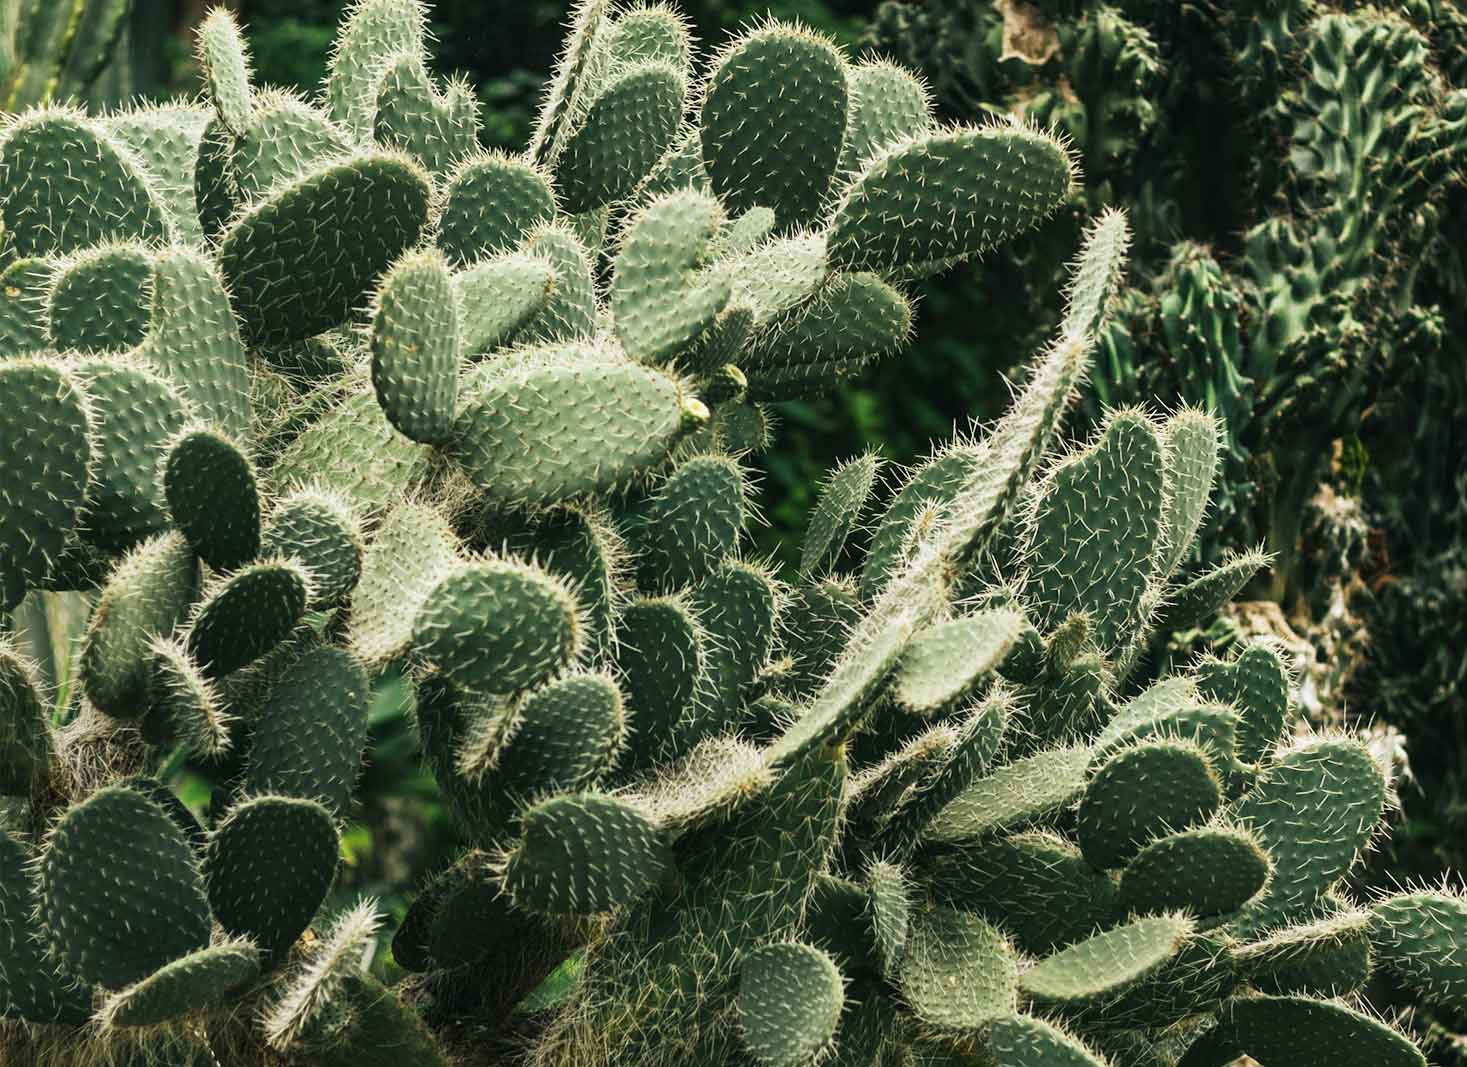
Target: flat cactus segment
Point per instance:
(496, 627)
(648, 33)
(213, 497)
(415, 347)
(195, 341)
(583, 547)
(570, 315)
(776, 276)
(1326, 958)
(412, 551)
(945, 196)
(1300, 1031)
(183, 706)
(691, 523)
(888, 105)
(1098, 274)
(147, 595)
(773, 121)
(492, 202)
(789, 1004)
(737, 605)
(282, 260)
(1014, 796)
(24, 321)
(1023, 1041)
(523, 439)
(625, 131)
(937, 481)
(813, 629)
(46, 457)
(1191, 440)
(215, 188)
(1106, 965)
(576, 74)
(1203, 597)
(1420, 936)
(948, 661)
(286, 140)
(65, 186)
(1257, 684)
(26, 747)
(32, 988)
(1096, 531)
(891, 907)
(152, 910)
(224, 62)
(102, 301)
(322, 533)
(661, 659)
(1036, 886)
(193, 983)
(842, 499)
(1314, 811)
(135, 414)
(570, 732)
(369, 31)
(246, 615)
(311, 731)
(166, 140)
(1207, 871)
(582, 854)
(1142, 793)
(268, 866)
(958, 972)
(497, 297)
(659, 298)
(440, 129)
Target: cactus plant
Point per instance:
(744, 820)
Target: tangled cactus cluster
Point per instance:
(301, 392)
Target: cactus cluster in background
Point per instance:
(296, 394)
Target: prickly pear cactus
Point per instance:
(371, 400)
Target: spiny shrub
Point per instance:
(304, 392)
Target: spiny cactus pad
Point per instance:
(789, 1003)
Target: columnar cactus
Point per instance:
(375, 400)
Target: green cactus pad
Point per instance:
(32, 988)
(286, 140)
(958, 971)
(1300, 1031)
(102, 301)
(523, 438)
(1191, 441)
(440, 129)
(1170, 708)
(813, 627)
(65, 186)
(661, 658)
(777, 276)
(1014, 796)
(941, 197)
(268, 866)
(212, 496)
(650, 32)
(184, 707)
(1326, 958)
(165, 140)
(148, 594)
(46, 457)
(659, 299)
(1207, 871)
(412, 552)
(1096, 530)
(281, 259)
(842, 498)
(946, 662)
(135, 413)
(690, 523)
(789, 1004)
(24, 321)
(497, 297)
(26, 744)
(736, 606)
(1036, 886)
(937, 481)
(1106, 965)
(320, 531)
(570, 732)
(624, 132)
(495, 627)
(370, 31)
(225, 63)
(246, 615)
(581, 63)
(415, 345)
(1420, 936)
(1257, 684)
(583, 854)
(1313, 811)
(196, 982)
(571, 312)
(311, 731)
(1144, 792)
(888, 105)
(890, 907)
(215, 188)
(773, 121)
(1196, 602)
(491, 203)
(150, 909)
(1023, 1041)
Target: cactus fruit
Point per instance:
(483, 422)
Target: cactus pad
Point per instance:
(212, 496)
(246, 615)
(789, 1004)
(415, 347)
(957, 970)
